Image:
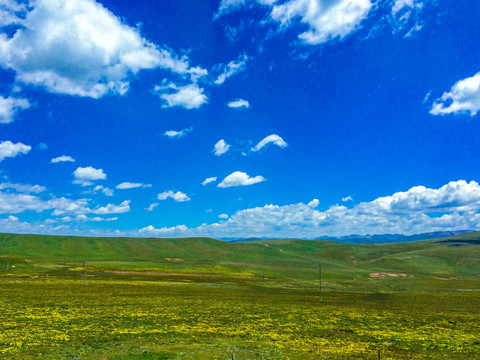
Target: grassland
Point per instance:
(202, 298)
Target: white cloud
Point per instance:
(85, 175)
(326, 20)
(209, 180)
(239, 103)
(314, 203)
(270, 139)
(97, 218)
(151, 207)
(14, 203)
(453, 206)
(9, 149)
(463, 97)
(11, 12)
(189, 96)
(227, 6)
(129, 185)
(21, 188)
(79, 47)
(63, 158)
(176, 196)
(106, 191)
(9, 107)
(113, 209)
(406, 15)
(13, 218)
(151, 230)
(221, 147)
(223, 216)
(239, 178)
(347, 198)
(178, 134)
(232, 68)
(84, 218)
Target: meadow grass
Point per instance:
(400, 301)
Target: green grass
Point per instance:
(201, 298)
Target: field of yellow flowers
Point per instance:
(205, 317)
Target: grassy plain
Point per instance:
(207, 299)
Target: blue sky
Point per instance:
(239, 118)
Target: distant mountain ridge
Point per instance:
(370, 239)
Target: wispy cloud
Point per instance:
(129, 185)
(209, 180)
(178, 134)
(232, 68)
(270, 139)
(238, 104)
(63, 158)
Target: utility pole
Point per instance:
(320, 280)
(83, 280)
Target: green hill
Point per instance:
(456, 256)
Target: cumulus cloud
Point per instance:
(238, 104)
(314, 203)
(455, 205)
(270, 139)
(223, 216)
(63, 158)
(151, 230)
(209, 180)
(85, 175)
(129, 185)
(232, 68)
(347, 198)
(22, 200)
(9, 149)
(113, 209)
(78, 47)
(464, 97)
(188, 96)
(239, 178)
(221, 147)
(176, 196)
(9, 107)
